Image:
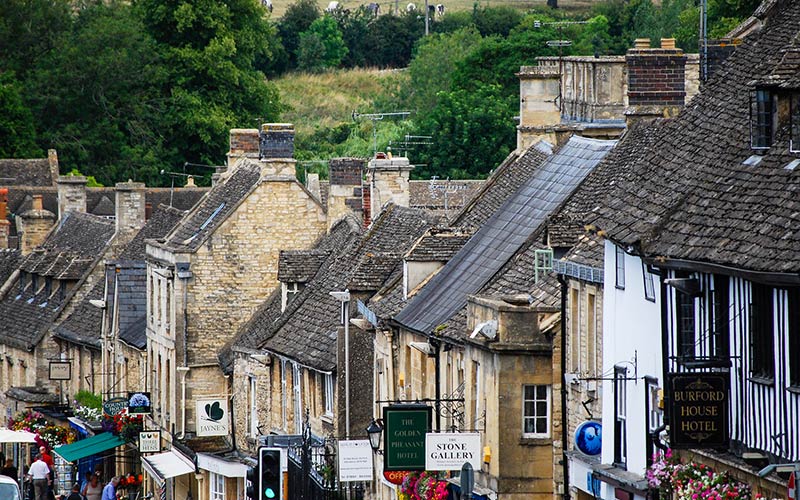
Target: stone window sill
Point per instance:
(535, 441)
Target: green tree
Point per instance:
(297, 19)
(594, 38)
(496, 20)
(321, 46)
(16, 121)
(472, 132)
(433, 65)
(210, 48)
(354, 25)
(391, 38)
(29, 29)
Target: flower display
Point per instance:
(693, 481)
(423, 486)
(88, 413)
(47, 434)
(130, 481)
(123, 425)
(27, 420)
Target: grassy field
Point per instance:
(279, 6)
(319, 101)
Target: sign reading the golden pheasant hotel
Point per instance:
(699, 405)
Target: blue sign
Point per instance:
(589, 438)
(593, 484)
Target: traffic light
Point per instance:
(252, 487)
(269, 463)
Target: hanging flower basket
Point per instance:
(692, 481)
(423, 486)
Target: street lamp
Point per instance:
(374, 431)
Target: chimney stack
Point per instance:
(130, 209)
(34, 225)
(345, 192)
(539, 91)
(656, 80)
(388, 181)
(5, 225)
(276, 150)
(52, 160)
(71, 194)
(243, 144)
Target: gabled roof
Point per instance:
(9, 261)
(77, 241)
(300, 265)
(83, 325)
(214, 208)
(687, 192)
(306, 332)
(503, 234)
(33, 172)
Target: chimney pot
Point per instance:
(36, 203)
(190, 182)
(667, 43)
(641, 43)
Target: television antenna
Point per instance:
(412, 140)
(376, 117)
(560, 43)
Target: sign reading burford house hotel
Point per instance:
(699, 410)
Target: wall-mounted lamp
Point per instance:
(374, 431)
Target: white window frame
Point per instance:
(619, 267)
(283, 396)
(289, 290)
(477, 394)
(535, 416)
(252, 402)
(298, 398)
(649, 284)
(216, 486)
(327, 393)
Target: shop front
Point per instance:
(170, 473)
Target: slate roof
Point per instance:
(437, 246)
(504, 233)
(32, 172)
(9, 260)
(589, 251)
(299, 265)
(262, 323)
(212, 210)
(83, 325)
(307, 330)
(503, 182)
(135, 333)
(372, 270)
(72, 247)
(32, 395)
(687, 194)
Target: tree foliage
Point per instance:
(322, 46)
(17, 133)
(298, 18)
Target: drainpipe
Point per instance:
(564, 423)
(184, 274)
(390, 339)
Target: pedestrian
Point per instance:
(93, 490)
(110, 491)
(48, 459)
(40, 473)
(9, 470)
(75, 495)
(86, 480)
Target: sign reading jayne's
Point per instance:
(698, 410)
(405, 426)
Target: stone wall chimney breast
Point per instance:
(71, 194)
(131, 210)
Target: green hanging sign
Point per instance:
(405, 426)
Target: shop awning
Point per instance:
(88, 447)
(166, 465)
(221, 466)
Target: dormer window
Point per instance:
(290, 290)
(762, 118)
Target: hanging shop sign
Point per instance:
(355, 460)
(149, 441)
(450, 450)
(138, 403)
(405, 426)
(212, 417)
(699, 405)
(114, 406)
(589, 438)
(60, 370)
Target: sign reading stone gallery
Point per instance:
(699, 410)
(405, 426)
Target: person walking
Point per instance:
(75, 495)
(110, 491)
(93, 490)
(40, 473)
(9, 470)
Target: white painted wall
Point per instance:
(631, 330)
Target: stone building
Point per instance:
(210, 273)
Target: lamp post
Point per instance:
(344, 298)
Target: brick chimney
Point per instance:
(388, 181)
(34, 225)
(52, 160)
(71, 194)
(276, 150)
(538, 103)
(130, 208)
(345, 194)
(656, 80)
(5, 225)
(243, 144)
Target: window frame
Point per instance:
(289, 291)
(619, 262)
(649, 284)
(216, 486)
(620, 417)
(762, 328)
(793, 319)
(327, 394)
(252, 406)
(535, 416)
(762, 109)
(719, 317)
(686, 322)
